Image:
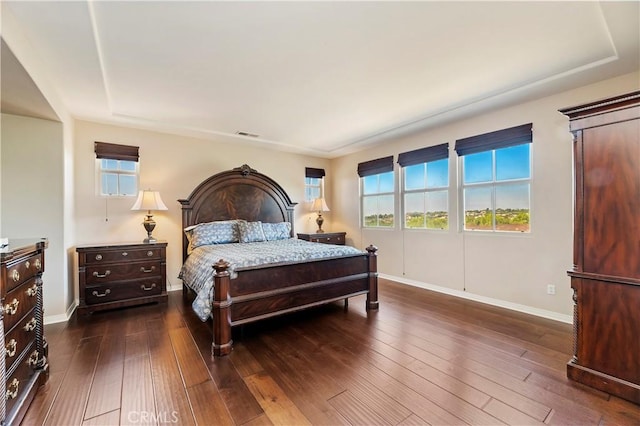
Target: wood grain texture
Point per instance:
(275, 403)
(426, 358)
(76, 385)
(106, 388)
(168, 385)
(208, 406)
(138, 406)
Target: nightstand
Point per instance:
(119, 275)
(325, 238)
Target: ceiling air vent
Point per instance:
(251, 135)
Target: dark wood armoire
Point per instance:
(606, 251)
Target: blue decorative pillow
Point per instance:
(277, 231)
(219, 232)
(251, 232)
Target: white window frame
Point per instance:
(493, 185)
(100, 171)
(423, 190)
(313, 184)
(377, 195)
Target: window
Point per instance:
(313, 183)
(377, 193)
(496, 180)
(117, 169)
(425, 187)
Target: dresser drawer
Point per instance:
(102, 256)
(117, 291)
(125, 271)
(23, 270)
(17, 382)
(20, 337)
(18, 302)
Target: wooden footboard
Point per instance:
(258, 293)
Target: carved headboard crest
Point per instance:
(245, 170)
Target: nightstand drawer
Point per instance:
(117, 291)
(125, 271)
(18, 302)
(109, 255)
(337, 238)
(329, 239)
(23, 270)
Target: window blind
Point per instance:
(313, 173)
(114, 151)
(512, 136)
(374, 167)
(424, 155)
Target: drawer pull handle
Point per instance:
(148, 288)
(32, 291)
(98, 275)
(98, 257)
(27, 264)
(15, 275)
(12, 389)
(96, 294)
(146, 271)
(38, 264)
(31, 325)
(33, 359)
(11, 348)
(150, 253)
(11, 308)
(124, 253)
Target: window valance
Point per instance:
(374, 167)
(512, 136)
(310, 172)
(424, 155)
(114, 151)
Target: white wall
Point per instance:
(510, 270)
(173, 165)
(58, 290)
(33, 197)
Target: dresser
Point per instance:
(24, 359)
(605, 277)
(325, 237)
(118, 275)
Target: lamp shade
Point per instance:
(319, 205)
(149, 200)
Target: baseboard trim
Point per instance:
(174, 287)
(52, 319)
(543, 313)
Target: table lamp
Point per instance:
(149, 200)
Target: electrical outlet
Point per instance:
(551, 289)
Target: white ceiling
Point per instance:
(324, 78)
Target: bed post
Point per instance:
(372, 295)
(221, 310)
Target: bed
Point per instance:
(244, 294)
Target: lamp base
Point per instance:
(149, 224)
(319, 221)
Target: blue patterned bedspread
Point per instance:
(197, 271)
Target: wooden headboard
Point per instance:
(240, 193)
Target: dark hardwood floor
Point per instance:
(424, 358)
